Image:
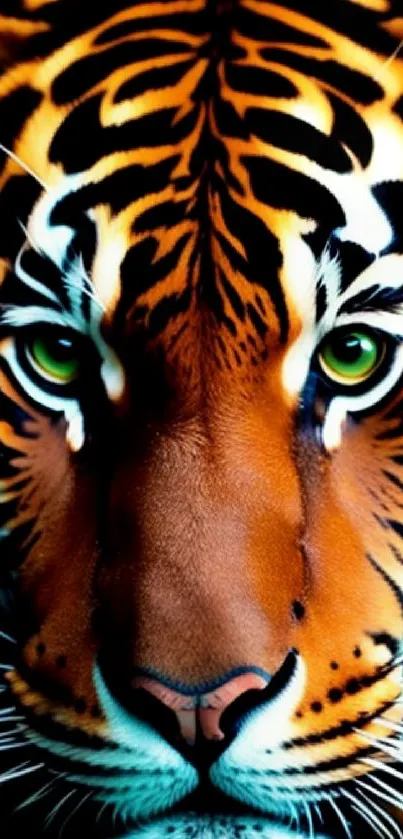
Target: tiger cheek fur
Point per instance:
(201, 457)
(56, 577)
(344, 536)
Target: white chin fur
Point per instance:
(189, 826)
(250, 770)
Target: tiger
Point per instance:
(201, 433)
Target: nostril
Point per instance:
(147, 708)
(213, 705)
(246, 702)
(198, 710)
(181, 705)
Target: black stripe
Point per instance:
(375, 298)
(140, 272)
(350, 129)
(344, 728)
(17, 198)
(81, 140)
(389, 195)
(393, 479)
(353, 260)
(397, 527)
(81, 76)
(256, 240)
(265, 28)
(295, 135)
(282, 188)
(192, 23)
(14, 111)
(120, 189)
(350, 19)
(322, 766)
(14, 415)
(353, 84)
(155, 79)
(321, 301)
(390, 582)
(259, 81)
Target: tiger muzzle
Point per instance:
(205, 570)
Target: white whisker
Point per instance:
(398, 796)
(294, 816)
(387, 796)
(363, 811)
(36, 796)
(309, 819)
(17, 730)
(83, 287)
(318, 811)
(367, 817)
(13, 746)
(74, 812)
(101, 812)
(343, 821)
(7, 637)
(7, 710)
(53, 813)
(384, 767)
(28, 237)
(23, 166)
(389, 60)
(393, 726)
(387, 819)
(384, 744)
(19, 771)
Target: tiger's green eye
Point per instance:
(350, 357)
(56, 357)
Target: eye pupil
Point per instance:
(351, 348)
(60, 348)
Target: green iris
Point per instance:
(56, 356)
(350, 357)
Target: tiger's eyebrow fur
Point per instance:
(375, 298)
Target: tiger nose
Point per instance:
(201, 709)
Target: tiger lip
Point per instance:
(202, 711)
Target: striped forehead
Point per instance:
(178, 264)
(311, 288)
(292, 269)
(290, 172)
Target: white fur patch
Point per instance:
(245, 770)
(189, 826)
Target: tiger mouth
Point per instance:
(51, 729)
(45, 731)
(207, 805)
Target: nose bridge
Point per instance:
(212, 521)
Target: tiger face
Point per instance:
(201, 441)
